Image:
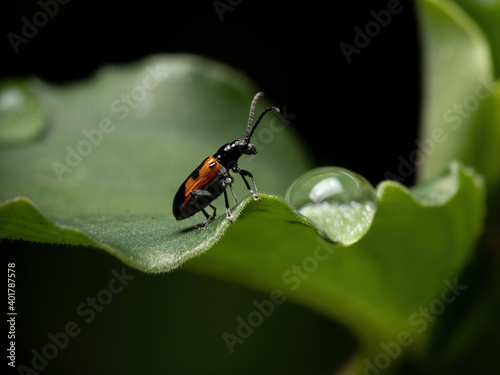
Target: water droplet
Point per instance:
(21, 114)
(340, 202)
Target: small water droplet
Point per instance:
(21, 114)
(340, 202)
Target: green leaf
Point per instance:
(483, 148)
(457, 79)
(461, 97)
(460, 44)
(487, 14)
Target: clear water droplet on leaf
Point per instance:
(21, 113)
(340, 202)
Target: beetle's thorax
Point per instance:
(229, 153)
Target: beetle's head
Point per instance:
(245, 148)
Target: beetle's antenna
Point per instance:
(275, 109)
(250, 117)
(252, 110)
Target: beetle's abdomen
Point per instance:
(197, 180)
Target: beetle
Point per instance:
(211, 178)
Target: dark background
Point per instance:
(360, 115)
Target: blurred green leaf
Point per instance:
(483, 148)
(486, 13)
(457, 78)
(461, 98)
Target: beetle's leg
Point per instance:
(228, 181)
(208, 217)
(234, 194)
(243, 173)
(201, 195)
(228, 211)
(197, 195)
(204, 224)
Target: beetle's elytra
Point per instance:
(211, 178)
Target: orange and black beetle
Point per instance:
(212, 177)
